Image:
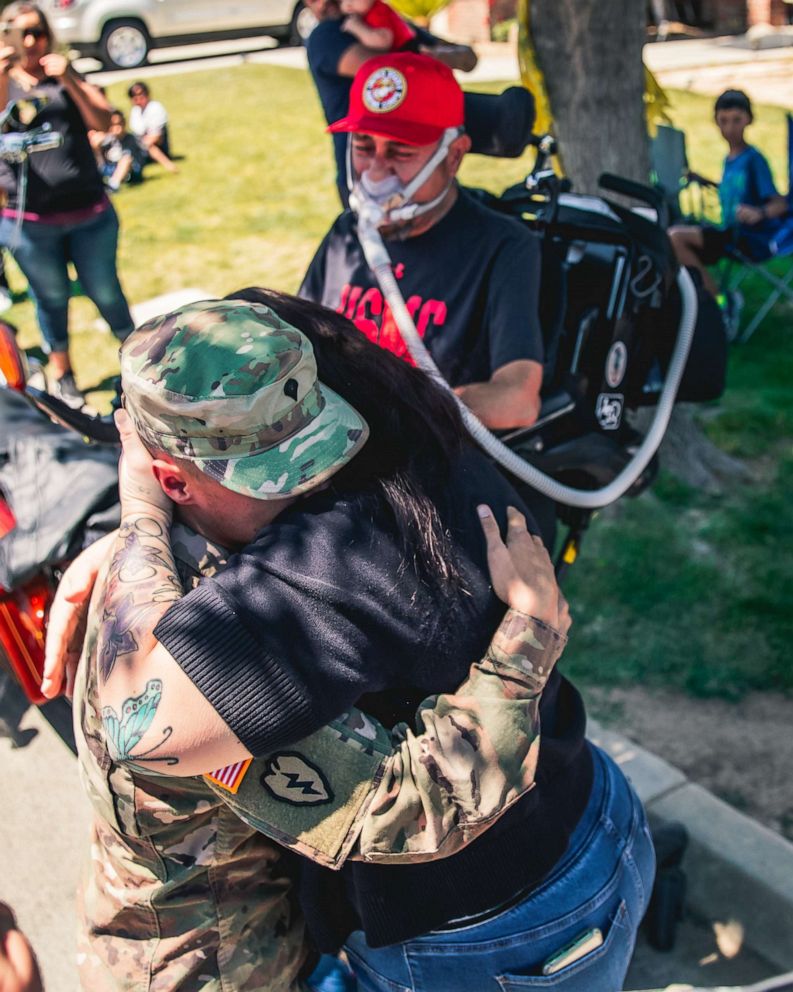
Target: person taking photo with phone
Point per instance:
(57, 210)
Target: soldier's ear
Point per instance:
(173, 481)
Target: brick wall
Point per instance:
(735, 16)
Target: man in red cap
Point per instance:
(335, 55)
(469, 276)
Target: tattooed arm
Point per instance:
(152, 713)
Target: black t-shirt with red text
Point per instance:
(471, 284)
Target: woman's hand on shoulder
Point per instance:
(521, 570)
(68, 617)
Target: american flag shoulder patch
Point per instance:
(230, 778)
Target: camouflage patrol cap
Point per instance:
(233, 388)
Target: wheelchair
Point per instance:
(610, 312)
(609, 309)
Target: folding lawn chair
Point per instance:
(687, 195)
(738, 266)
(669, 166)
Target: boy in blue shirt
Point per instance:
(751, 208)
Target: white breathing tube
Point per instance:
(379, 262)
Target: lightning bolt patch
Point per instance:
(288, 776)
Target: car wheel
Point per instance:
(303, 23)
(124, 45)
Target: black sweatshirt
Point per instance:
(321, 612)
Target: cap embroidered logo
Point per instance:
(384, 90)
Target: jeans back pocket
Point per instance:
(601, 970)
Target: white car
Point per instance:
(121, 33)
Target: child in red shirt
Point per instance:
(377, 26)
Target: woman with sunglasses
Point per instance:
(66, 216)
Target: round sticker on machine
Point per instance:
(616, 364)
(384, 90)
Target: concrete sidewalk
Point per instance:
(738, 929)
(739, 879)
(712, 65)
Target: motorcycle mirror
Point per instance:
(93, 427)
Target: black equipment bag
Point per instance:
(55, 484)
(611, 337)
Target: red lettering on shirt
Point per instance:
(373, 317)
(349, 298)
(433, 311)
(371, 303)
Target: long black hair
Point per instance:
(416, 431)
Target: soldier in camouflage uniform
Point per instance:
(182, 893)
(185, 888)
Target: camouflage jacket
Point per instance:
(185, 889)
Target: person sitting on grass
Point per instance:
(751, 208)
(148, 121)
(377, 26)
(118, 154)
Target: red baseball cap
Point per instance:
(403, 96)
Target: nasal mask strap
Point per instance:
(398, 206)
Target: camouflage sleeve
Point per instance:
(473, 756)
(352, 789)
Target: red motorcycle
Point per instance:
(23, 611)
(29, 572)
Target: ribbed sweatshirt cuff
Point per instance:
(262, 702)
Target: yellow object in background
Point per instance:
(656, 103)
(419, 11)
(530, 72)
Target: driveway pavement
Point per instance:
(708, 65)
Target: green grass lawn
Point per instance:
(690, 591)
(676, 588)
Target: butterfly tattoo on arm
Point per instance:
(125, 732)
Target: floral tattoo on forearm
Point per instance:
(142, 583)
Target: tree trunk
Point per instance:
(687, 453)
(590, 52)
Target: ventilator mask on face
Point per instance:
(383, 202)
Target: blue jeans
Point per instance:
(604, 880)
(42, 253)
